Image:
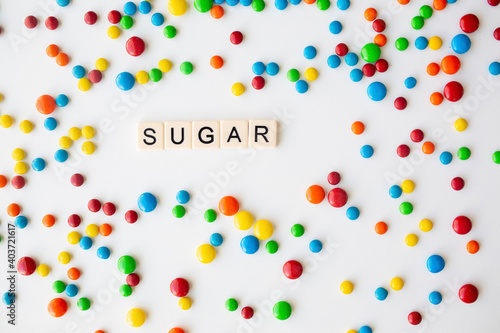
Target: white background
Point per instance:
(315, 139)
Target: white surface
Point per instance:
(315, 139)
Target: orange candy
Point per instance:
(217, 12)
(176, 330)
(436, 98)
(370, 14)
(315, 194)
(46, 104)
(229, 206)
(472, 247)
(216, 62)
(74, 273)
(450, 64)
(3, 181)
(380, 40)
(433, 69)
(52, 50)
(357, 127)
(428, 147)
(404, 2)
(105, 229)
(57, 307)
(48, 220)
(13, 209)
(309, 2)
(99, 331)
(62, 59)
(381, 228)
(439, 4)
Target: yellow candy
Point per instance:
(26, 126)
(205, 253)
(84, 84)
(136, 317)
(88, 147)
(20, 168)
(64, 258)
(177, 7)
(88, 132)
(352, 331)
(74, 237)
(1, 97)
(185, 303)
(43, 270)
(311, 74)
(6, 121)
(397, 283)
(243, 220)
(142, 77)
(408, 186)
(18, 154)
(65, 142)
(74, 133)
(101, 64)
(165, 65)
(238, 89)
(114, 32)
(346, 287)
(461, 124)
(425, 225)
(435, 43)
(411, 240)
(92, 230)
(263, 229)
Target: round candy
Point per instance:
(292, 269)
(58, 286)
(435, 263)
(26, 266)
(469, 23)
(57, 307)
(21, 222)
(356, 75)
(297, 230)
(206, 253)
(114, 16)
(310, 52)
(421, 43)
(376, 91)
(315, 246)
(71, 290)
(258, 82)
(381, 293)
(74, 220)
(346, 287)
(406, 208)
(94, 205)
(103, 253)
(45, 104)
(157, 19)
(280, 4)
(410, 82)
(258, 68)
(417, 135)
(400, 103)
(51, 23)
(109, 208)
(179, 287)
(126, 22)
(179, 211)
(135, 46)
(351, 59)
(370, 52)
(457, 183)
(472, 247)
(147, 202)
(125, 81)
(425, 11)
(78, 71)
(301, 86)
(126, 264)
(445, 157)
(247, 312)
(468, 293)
(86, 243)
(411, 240)
(90, 17)
(186, 68)
(202, 6)
(366, 151)
(337, 197)
(402, 44)
(272, 68)
(250, 244)
(453, 91)
(231, 304)
(381, 228)
(170, 31)
(378, 25)
(397, 283)
(83, 304)
(272, 247)
(211, 215)
(129, 8)
(335, 27)
(50, 123)
(236, 37)
(144, 7)
(435, 297)
(282, 310)
(133, 279)
(352, 213)
(462, 225)
(38, 164)
(30, 22)
(216, 239)
(417, 22)
(369, 70)
(229, 206)
(463, 153)
(403, 151)
(414, 318)
(263, 229)
(136, 317)
(461, 43)
(333, 61)
(334, 177)
(315, 194)
(494, 68)
(8, 298)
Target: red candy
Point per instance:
(90, 18)
(135, 46)
(109, 208)
(77, 180)
(292, 269)
(457, 183)
(469, 23)
(403, 151)
(26, 266)
(18, 182)
(114, 17)
(415, 318)
(94, 205)
(30, 22)
(258, 82)
(453, 91)
(381, 65)
(378, 25)
(337, 197)
(468, 293)
(74, 220)
(496, 34)
(51, 23)
(494, 2)
(179, 287)
(416, 135)
(236, 37)
(369, 70)
(247, 312)
(131, 216)
(333, 178)
(462, 225)
(341, 49)
(400, 103)
(133, 279)
(95, 76)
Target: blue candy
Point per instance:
(86, 242)
(21, 222)
(144, 7)
(352, 213)
(258, 68)
(435, 297)
(216, 239)
(125, 81)
(103, 252)
(71, 290)
(249, 244)
(245, 3)
(356, 75)
(157, 19)
(343, 4)
(381, 293)
(395, 191)
(435, 263)
(62, 3)
(377, 91)
(183, 197)
(129, 8)
(461, 43)
(232, 2)
(62, 100)
(272, 68)
(310, 52)
(281, 4)
(410, 82)
(315, 246)
(61, 155)
(333, 61)
(335, 27)
(351, 59)
(366, 151)
(494, 68)
(38, 164)
(445, 157)
(147, 202)
(301, 86)
(78, 72)
(421, 43)
(50, 123)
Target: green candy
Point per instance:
(402, 44)
(293, 75)
(406, 208)
(186, 68)
(258, 5)
(297, 230)
(83, 304)
(417, 22)
(323, 4)
(203, 6)
(272, 247)
(170, 31)
(425, 11)
(370, 52)
(463, 153)
(282, 310)
(496, 157)
(210, 215)
(155, 75)
(125, 290)
(179, 211)
(126, 22)
(231, 304)
(58, 286)
(126, 264)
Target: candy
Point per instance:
(381, 293)
(216, 239)
(133, 279)
(397, 283)
(272, 247)
(247, 312)
(335, 27)
(231, 304)
(186, 68)
(228, 206)
(468, 293)
(435, 43)
(71, 290)
(74, 273)
(211, 215)
(411, 240)
(346, 287)
(292, 269)
(103, 253)
(311, 74)
(90, 18)
(21, 222)
(463, 153)
(381, 228)
(126, 264)
(94, 205)
(83, 304)
(414, 318)
(105, 229)
(435, 263)
(31, 22)
(297, 230)
(125, 290)
(147, 202)
(125, 81)
(366, 151)
(472, 247)
(461, 43)
(57, 307)
(26, 266)
(136, 317)
(249, 244)
(301, 86)
(376, 91)
(469, 23)
(337, 197)
(370, 52)
(282, 310)
(86, 243)
(310, 52)
(169, 31)
(8, 298)
(206, 253)
(157, 19)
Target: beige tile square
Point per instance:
(150, 136)
(234, 133)
(178, 135)
(263, 133)
(206, 135)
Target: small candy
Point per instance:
(272, 247)
(292, 269)
(228, 206)
(133, 279)
(297, 230)
(57, 307)
(236, 37)
(463, 153)
(468, 293)
(366, 151)
(472, 247)
(346, 287)
(282, 310)
(381, 228)
(425, 225)
(250, 244)
(231, 304)
(397, 283)
(310, 52)
(335, 27)
(435, 297)
(26, 266)
(435, 263)
(216, 239)
(376, 91)
(136, 317)
(461, 43)
(206, 253)
(211, 215)
(105, 229)
(125, 81)
(411, 240)
(126, 264)
(381, 293)
(86, 243)
(414, 318)
(469, 23)
(315, 246)
(147, 202)
(51, 23)
(247, 312)
(62, 100)
(301, 86)
(258, 68)
(272, 68)
(103, 252)
(315, 194)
